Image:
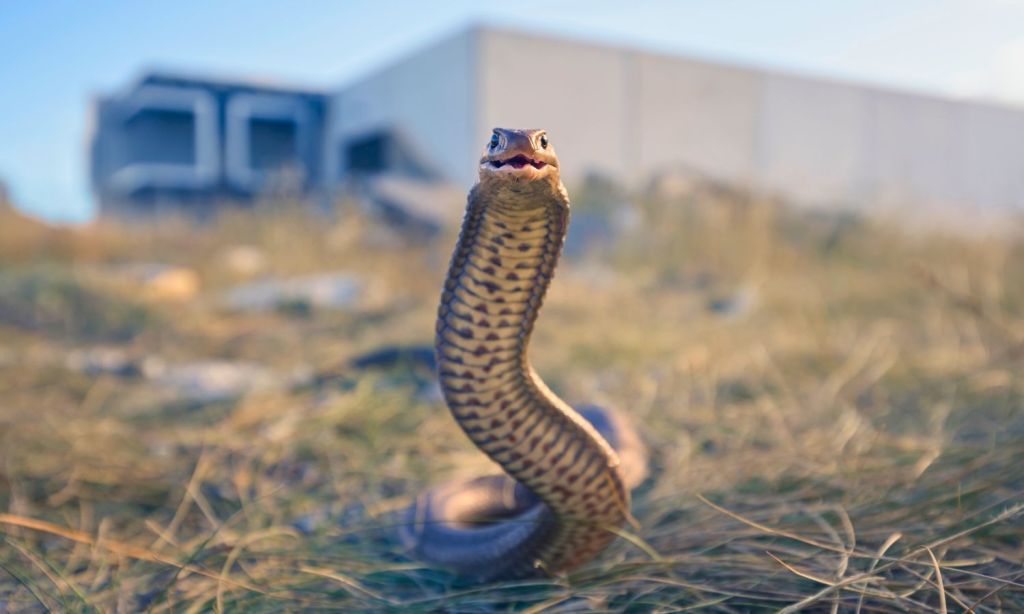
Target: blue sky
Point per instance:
(57, 54)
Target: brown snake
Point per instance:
(568, 492)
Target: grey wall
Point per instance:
(574, 91)
(695, 116)
(825, 141)
(631, 114)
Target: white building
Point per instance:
(632, 114)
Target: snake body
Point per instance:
(567, 493)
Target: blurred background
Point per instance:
(795, 260)
(916, 102)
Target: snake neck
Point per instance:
(500, 272)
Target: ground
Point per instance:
(835, 410)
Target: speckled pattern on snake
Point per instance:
(569, 472)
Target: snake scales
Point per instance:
(567, 491)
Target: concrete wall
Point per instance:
(825, 142)
(993, 155)
(631, 114)
(575, 91)
(694, 116)
(810, 139)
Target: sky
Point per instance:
(56, 55)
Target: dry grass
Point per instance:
(851, 440)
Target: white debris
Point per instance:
(214, 380)
(328, 290)
(102, 361)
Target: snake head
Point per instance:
(519, 157)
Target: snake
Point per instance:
(565, 493)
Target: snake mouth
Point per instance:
(518, 162)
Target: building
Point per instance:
(630, 115)
(178, 141)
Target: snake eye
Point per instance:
(494, 140)
(543, 141)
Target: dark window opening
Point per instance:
(273, 144)
(157, 136)
(384, 152)
(367, 155)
